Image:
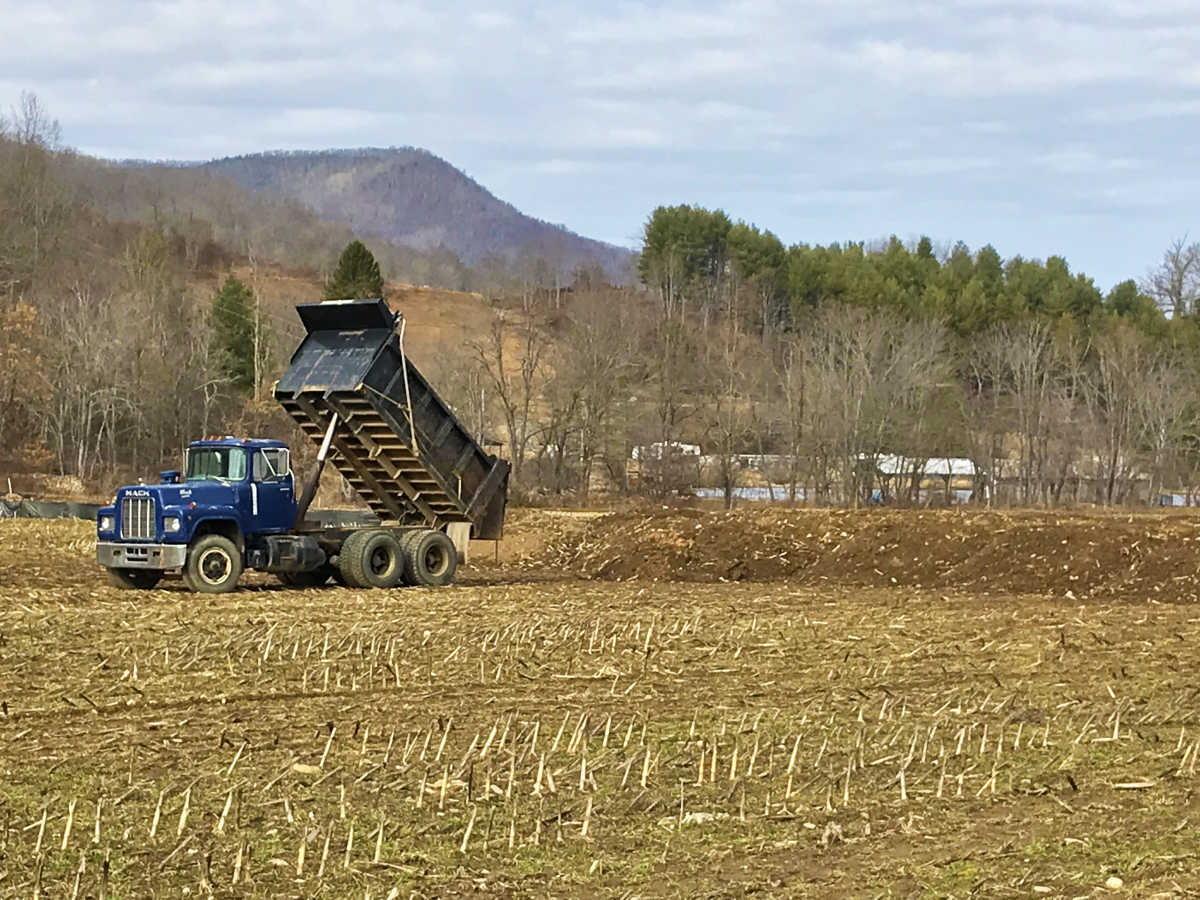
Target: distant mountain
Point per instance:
(414, 198)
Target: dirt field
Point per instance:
(968, 729)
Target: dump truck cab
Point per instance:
(241, 490)
(247, 483)
(351, 388)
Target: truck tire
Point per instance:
(214, 565)
(134, 579)
(371, 559)
(350, 549)
(405, 540)
(430, 559)
(312, 579)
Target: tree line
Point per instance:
(817, 362)
(820, 364)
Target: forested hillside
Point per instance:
(416, 199)
(839, 356)
(837, 372)
(109, 361)
(818, 361)
(107, 358)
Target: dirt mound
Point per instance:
(1076, 555)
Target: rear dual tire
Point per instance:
(430, 559)
(371, 559)
(379, 559)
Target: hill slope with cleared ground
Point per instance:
(441, 324)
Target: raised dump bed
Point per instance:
(393, 438)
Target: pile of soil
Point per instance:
(1077, 555)
(528, 536)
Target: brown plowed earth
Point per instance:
(528, 733)
(1074, 555)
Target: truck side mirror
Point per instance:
(171, 476)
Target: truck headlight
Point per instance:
(107, 523)
(171, 524)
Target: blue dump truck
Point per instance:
(430, 487)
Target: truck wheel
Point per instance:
(350, 550)
(371, 559)
(214, 565)
(313, 579)
(430, 559)
(406, 539)
(134, 579)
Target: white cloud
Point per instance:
(820, 119)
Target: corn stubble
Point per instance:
(503, 736)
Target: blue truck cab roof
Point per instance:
(251, 443)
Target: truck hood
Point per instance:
(202, 493)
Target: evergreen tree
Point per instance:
(357, 276)
(233, 318)
(684, 250)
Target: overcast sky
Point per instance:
(1040, 126)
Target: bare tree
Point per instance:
(22, 379)
(730, 411)
(1111, 395)
(1175, 282)
(513, 356)
(464, 385)
(558, 450)
(985, 407)
(1022, 362)
(1166, 416)
(872, 373)
(30, 124)
(671, 396)
(789, 373)
(80, 416)
(600, 361)
(34, 200)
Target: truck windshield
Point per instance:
(216, 464)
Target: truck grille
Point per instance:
(137, 518)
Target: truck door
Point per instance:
(272, 497)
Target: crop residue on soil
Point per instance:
(534, 734)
